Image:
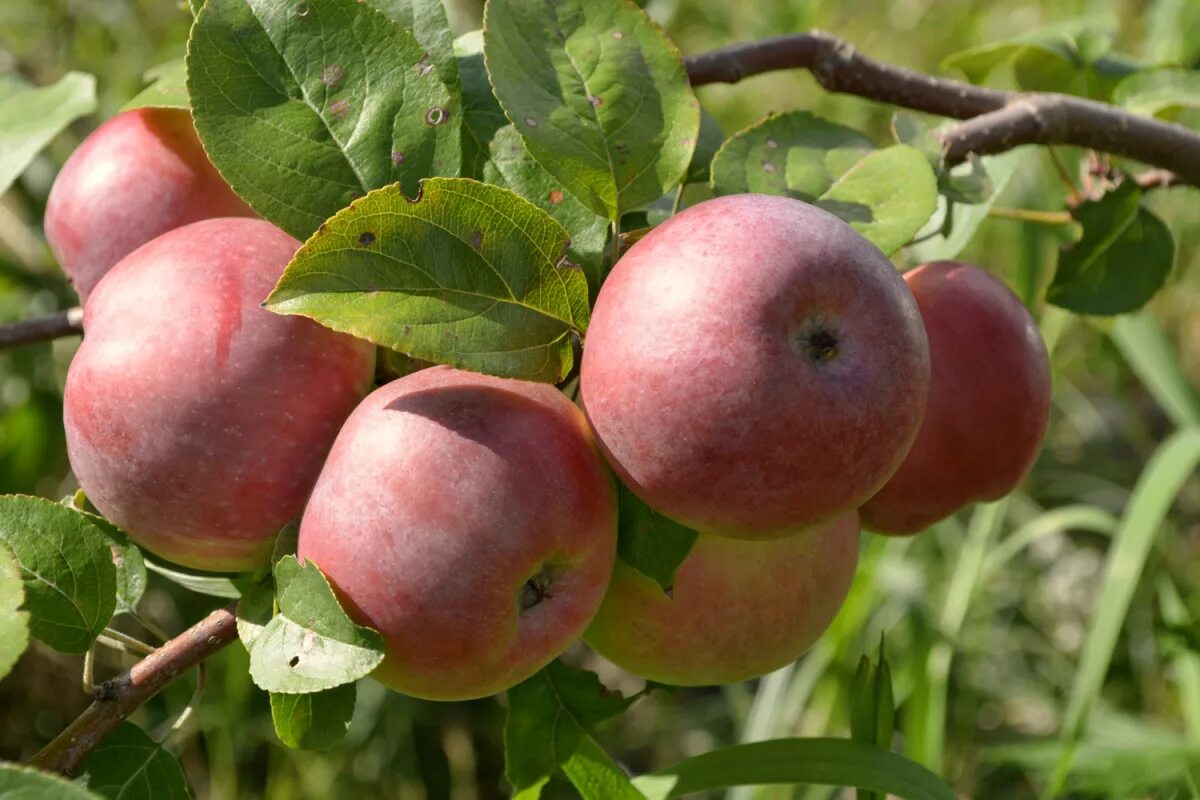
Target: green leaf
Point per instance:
(550, 718)
(796, 154)
(887, 197)
(30, 118)
(1159, 92)
(979, 61)
(167, 89)
(967, 219)
(14, 623)
(1123, 259)
(649, 542)
(25, 783)
(598, 92)
(129, 764)
(310, 645)
(825, 762)
(67, 568)
(211, 585)
(482, 115)
(709, 142)
(315, 721)
(1169, 468)
(467, 274)
(426, 20)
(307, 131)
(127, 556)
(512, 166)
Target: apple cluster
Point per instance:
(754, 369)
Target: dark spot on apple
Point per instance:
(537, 588)
(819, 343)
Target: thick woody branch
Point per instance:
(1059, 119)
(41, 329)
(120, 697)
(996, 121)
(839, 67)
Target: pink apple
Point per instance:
(140, 174)
(471, 521)
(737, 610)
(754, 367)
(989, 402)
(196, 420)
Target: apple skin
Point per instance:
(739, 609)
(989, 400)
(139, 175)
(446, 493)
(196, 420)
(754, 367)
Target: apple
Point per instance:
(471, 521)
(738, 609)
(754, 367)
(197, 421)
(989, 401)
(139, 175)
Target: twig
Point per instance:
(120, 697)
(996, 120)
(128, 644)
(1032, 215)
(41, 329)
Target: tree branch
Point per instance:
(997, 120)
(41, 329)
(120, 697)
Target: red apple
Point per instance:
(196, 420)
(737, 610)
(754, 367)
(989, 402)
(140, 174)
(471, 521)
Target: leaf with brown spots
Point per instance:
(468, 274)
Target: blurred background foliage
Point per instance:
(985, 614)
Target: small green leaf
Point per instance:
(598, 92)
(482, 115)
(796, 154)
(310, 645)
(315, 721)
(467, 274)
(167, 88)
(512, 166)
(887, 197)
(129, 764)
(649, 542)
(967, 219)
(332, 99)
(822, 762)
(426, 20)
(25, 783)
(550, 718)
(30, 118)
(67, 568)
(211, 585)
(1122, 260)
(969, 186)
(1159, 92)
(14, 623)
